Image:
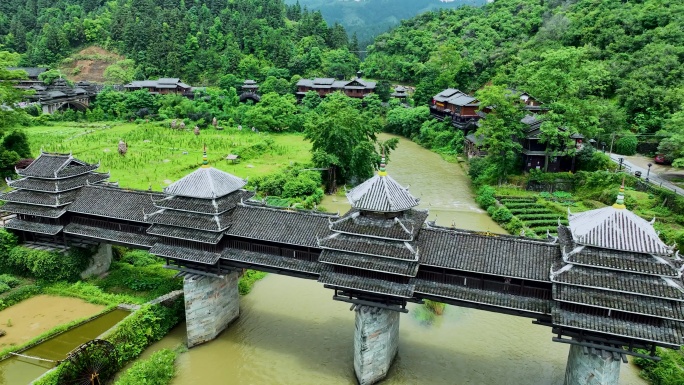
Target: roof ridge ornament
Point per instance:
(382, 171)
(620, 201)
(205, 161)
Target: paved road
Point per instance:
(653, 176)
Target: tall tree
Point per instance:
(344, 140)
(501, 128)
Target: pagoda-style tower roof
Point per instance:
(56, 166)
(616, 276)
(206, 183)
(48, 187)
(371, 250)
(616, 229)
(383, 194)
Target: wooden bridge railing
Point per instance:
(273, 250)
(486, 284)
(109, 225)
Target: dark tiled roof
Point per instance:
(371, 285)
(191, 220)
(184, 233)
(371, 246)
(274, 261)
(39, 198)
(185, 254)
(619, 301)
(34, 227)
(625, 261)
(207, 206)
(110, 235)
(114, 203)
(670, 333)
(403, 228)
(367, 262)
(46, 165)
(76, 170)
(616, 259)
(289, 227)
(462, 293)
(56, 166)
(623, 282)
(497, 255)
(207, 183)
(41, 211)
(58, 185)
(381, 194)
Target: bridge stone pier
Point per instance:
(376, 340)
(211, 304)
(590, 367)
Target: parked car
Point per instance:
(660, 159)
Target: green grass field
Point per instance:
(158, 155)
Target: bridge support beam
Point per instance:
(211, 304)
(592, 368)
(102, 259)
(376, 341)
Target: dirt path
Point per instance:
(38, 314)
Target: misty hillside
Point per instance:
(368, 18)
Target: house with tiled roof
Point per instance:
(354, 88)
(161, 86)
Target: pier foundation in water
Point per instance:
(376, 340)
(588, 367)
(211, 304)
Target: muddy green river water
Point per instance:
(290, 331)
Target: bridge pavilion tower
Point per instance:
(41, 196)
(190, 223)
(617, 288)
(369, 257)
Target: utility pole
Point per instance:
(612, 139)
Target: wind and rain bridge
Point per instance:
(606, 285)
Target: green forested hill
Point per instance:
(368, 18)
(605, 65)
(195, 40)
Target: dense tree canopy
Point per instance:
(602, 67)
(198, 41)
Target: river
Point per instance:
(290, 331)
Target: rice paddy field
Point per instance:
(158, 155)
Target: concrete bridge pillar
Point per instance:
(593, 368)
(211, 304)
(376, 341)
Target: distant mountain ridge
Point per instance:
(369, 18)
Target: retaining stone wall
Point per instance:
(211, 304)
(102, 259)
(376, 340)
(591, 369)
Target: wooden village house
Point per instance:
(162, 86)
(354, 88)
(462, 109)
(537, 155)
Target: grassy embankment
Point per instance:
(158, 155)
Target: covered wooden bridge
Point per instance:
(606, 285)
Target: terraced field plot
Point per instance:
(536, 216)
